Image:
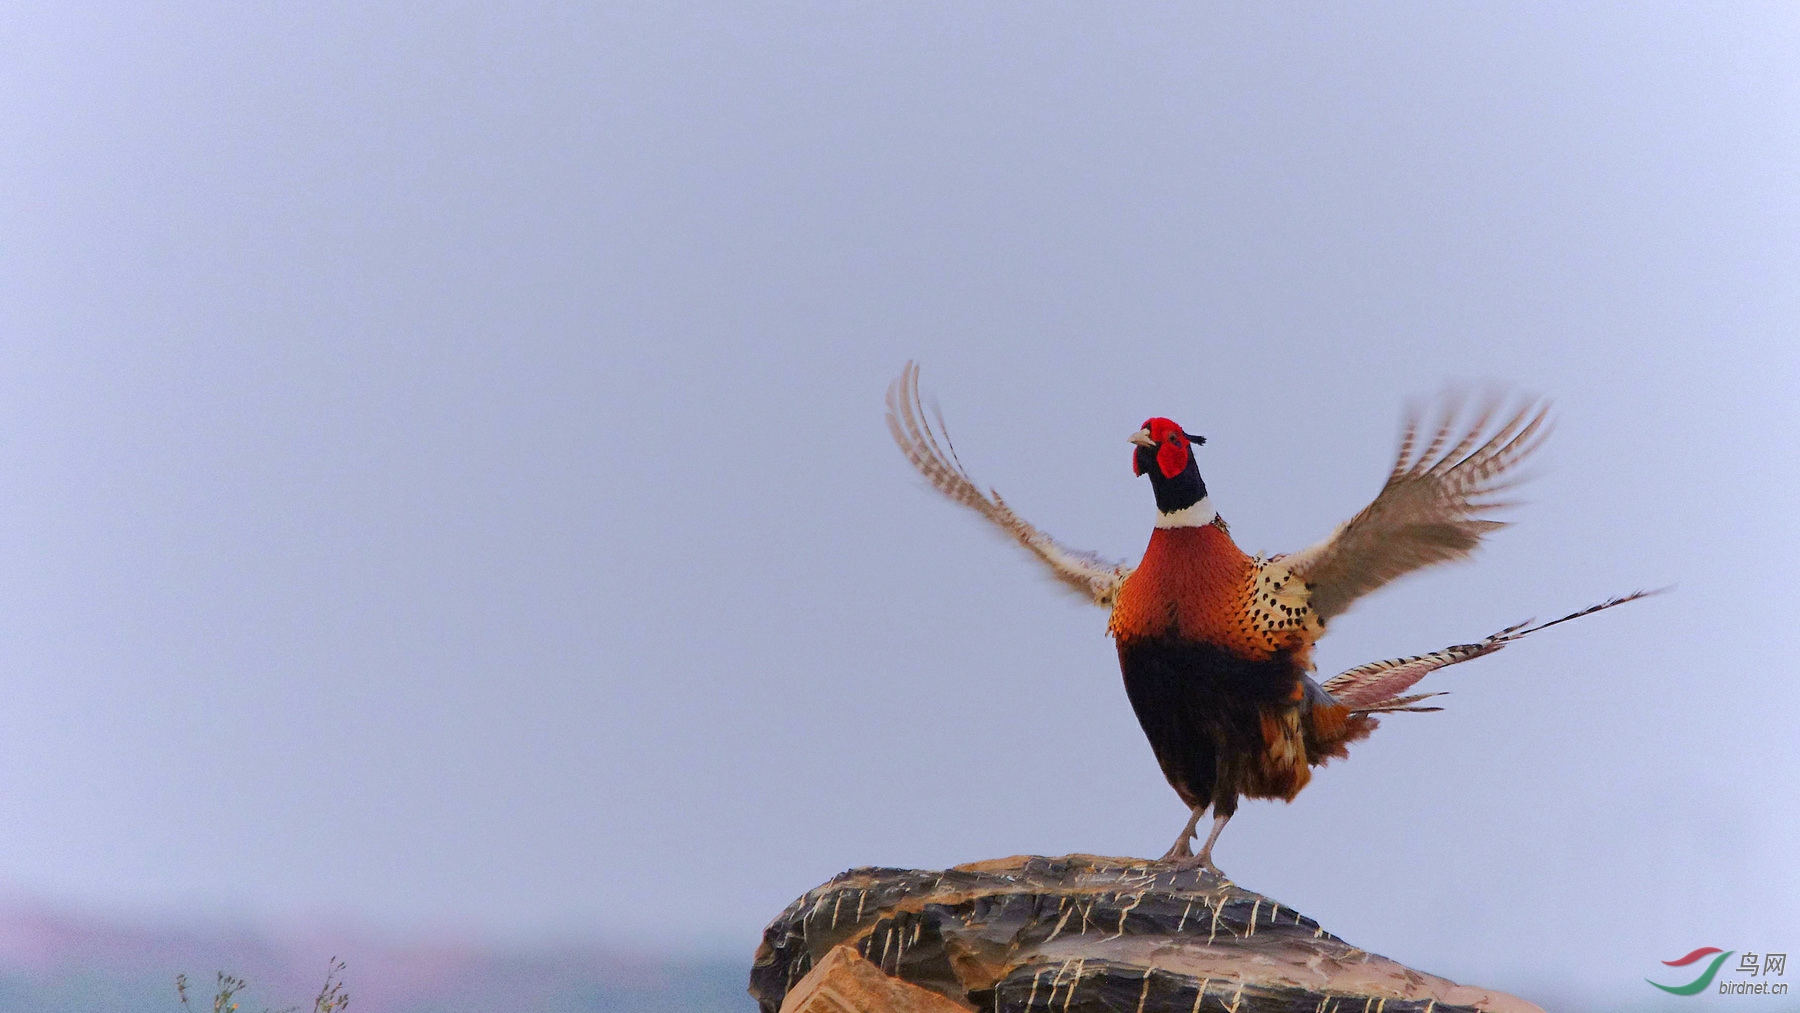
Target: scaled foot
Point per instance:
(1181, 852)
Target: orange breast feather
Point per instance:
(1197, 584)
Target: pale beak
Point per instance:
(1142, 439)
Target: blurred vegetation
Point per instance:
(332, 997)
(677, 986)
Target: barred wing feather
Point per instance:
(1082, 572)
(1430, 509)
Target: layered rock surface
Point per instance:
(1076, 934)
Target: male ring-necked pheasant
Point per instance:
(1216, 645)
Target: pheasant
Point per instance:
(1215, 645)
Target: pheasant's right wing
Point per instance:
(1083, 572)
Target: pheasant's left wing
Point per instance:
(1082, 572)
(1430, 509)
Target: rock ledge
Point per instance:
(1076, 934)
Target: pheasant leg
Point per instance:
(1181, 849)
(1205, 858)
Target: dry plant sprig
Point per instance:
(332, 997)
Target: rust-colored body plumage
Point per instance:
(1217, 672)
(1195, 583)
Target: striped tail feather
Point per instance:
(1400, 703)
(1377, 687)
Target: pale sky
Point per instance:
(445, 483)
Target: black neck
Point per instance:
(1172, 494)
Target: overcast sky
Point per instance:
(444, 480)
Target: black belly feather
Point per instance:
(1201, 708)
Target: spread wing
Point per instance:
(1082, 572)
(1430, 509)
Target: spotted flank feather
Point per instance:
(1279, 606)
(1083, 572)
(1376, 686)
(1429, 511)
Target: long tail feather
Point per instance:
(1378, 685)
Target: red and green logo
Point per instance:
(1699, 984)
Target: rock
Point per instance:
(845, 982)
(1077, 934)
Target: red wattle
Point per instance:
(1172, 459)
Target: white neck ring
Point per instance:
(1198, 515)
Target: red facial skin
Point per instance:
(1171, 447)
